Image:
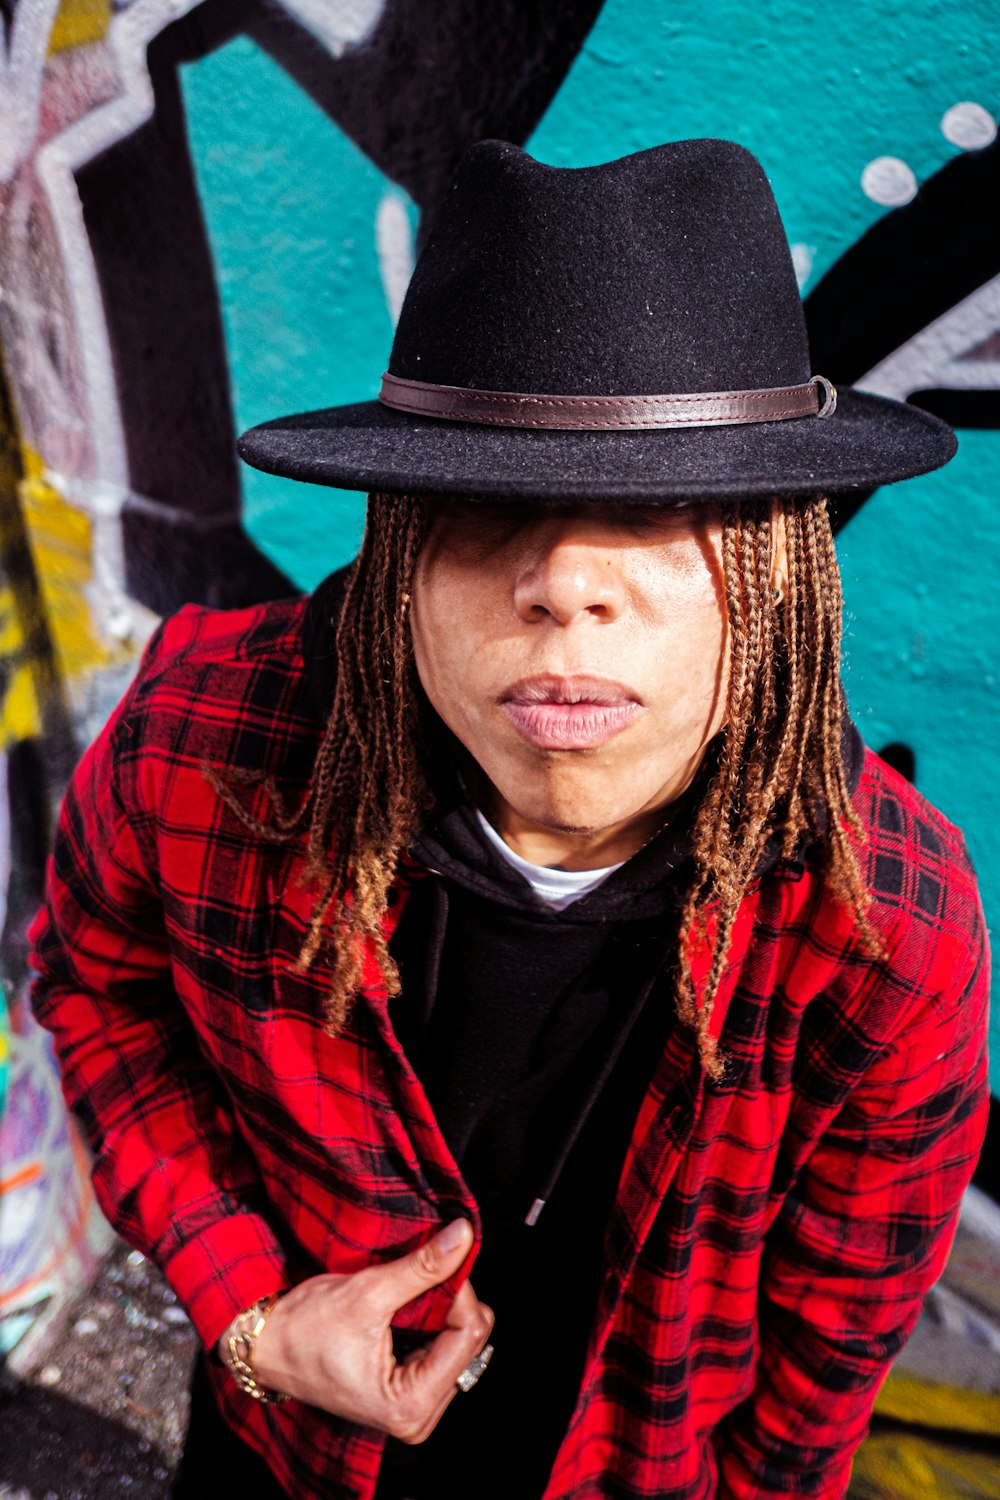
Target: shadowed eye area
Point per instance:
(482, 525)
(481, 528)
(661, 517)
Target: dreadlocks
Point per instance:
(781, 772)
(780, 777)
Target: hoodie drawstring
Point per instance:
(591, 1098)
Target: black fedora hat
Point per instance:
(626, 331)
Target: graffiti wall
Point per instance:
(120, 389)
(209, 211)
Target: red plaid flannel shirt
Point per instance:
(773, 1234)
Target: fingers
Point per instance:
(328, 1341)
(399, 1281)
(425, 1385)
(467, 1312)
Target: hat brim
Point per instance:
(867, 441)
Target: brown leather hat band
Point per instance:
(453, 403)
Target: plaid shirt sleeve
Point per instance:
(864, 1235)
(171, 1173)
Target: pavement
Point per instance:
(102, 1411)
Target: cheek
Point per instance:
(705, 662)
(703, 639)
(687, 635)
(443, 631)
(426, 644)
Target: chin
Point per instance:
(565, 810)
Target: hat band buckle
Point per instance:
(454, 403)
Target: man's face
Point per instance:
(578, 652)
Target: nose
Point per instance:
(565, 573)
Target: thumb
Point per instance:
(402, 1280)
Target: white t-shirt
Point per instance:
(557, 888)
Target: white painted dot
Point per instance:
(969, 125)
(889, 181)
(802, 262)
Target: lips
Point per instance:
(569, 713)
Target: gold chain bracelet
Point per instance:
(242, 1335)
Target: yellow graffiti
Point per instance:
(60, 539)
(907, 1399)
(79, 22)
(20, 718)
(903, 1466)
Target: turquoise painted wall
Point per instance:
(291, 210)
(291, 207)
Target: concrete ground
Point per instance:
(102, 1412)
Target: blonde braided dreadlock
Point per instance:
(368, 792)
(780, 775)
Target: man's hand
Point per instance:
(328, 1341)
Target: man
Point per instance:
(526, 904)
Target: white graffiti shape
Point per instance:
(22, 58)
(337, 24)
(802, 261)
(129, 36)
(938, 357)
(394, 242)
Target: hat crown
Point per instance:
(665, 271)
